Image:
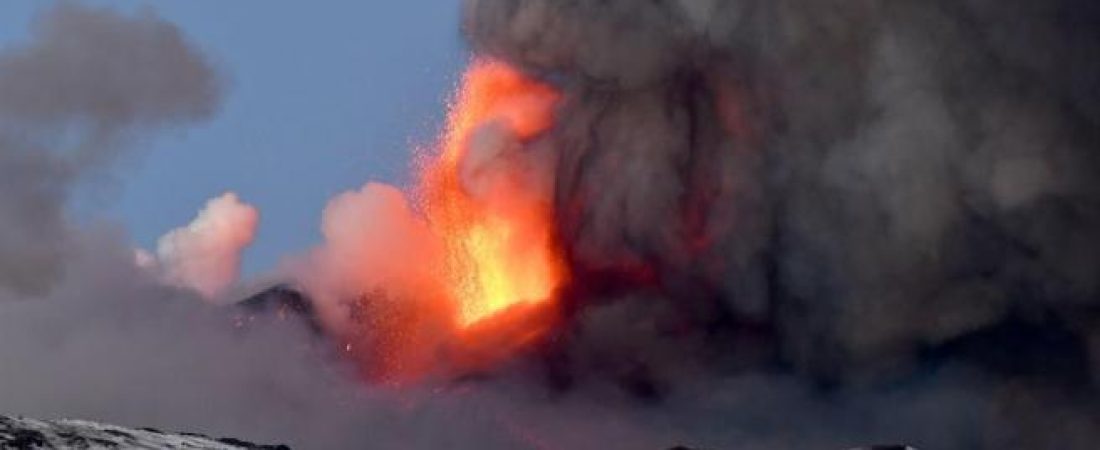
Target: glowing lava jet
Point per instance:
(482, 197)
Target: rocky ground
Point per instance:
(22, 433)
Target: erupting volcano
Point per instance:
(641, 224)
(466, 274)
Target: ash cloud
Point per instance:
(855, 192)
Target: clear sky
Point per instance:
(320, 98)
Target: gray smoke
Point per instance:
(854, 191)
(87, 83)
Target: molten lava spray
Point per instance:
(466, 274)
(483, 199)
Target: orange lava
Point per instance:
(479, 198)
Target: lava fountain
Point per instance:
(481, 195)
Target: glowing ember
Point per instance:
(480, 198)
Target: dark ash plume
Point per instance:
(862, 191)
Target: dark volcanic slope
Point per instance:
(283, 302)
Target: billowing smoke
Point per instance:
(865, 185)
(70, 100)
(205, 255)
(373, 240)
(375, 281)
(855, 192)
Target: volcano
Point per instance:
(743, 223)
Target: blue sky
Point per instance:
(321, 97)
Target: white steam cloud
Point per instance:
(373, 240)
(205, 255)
